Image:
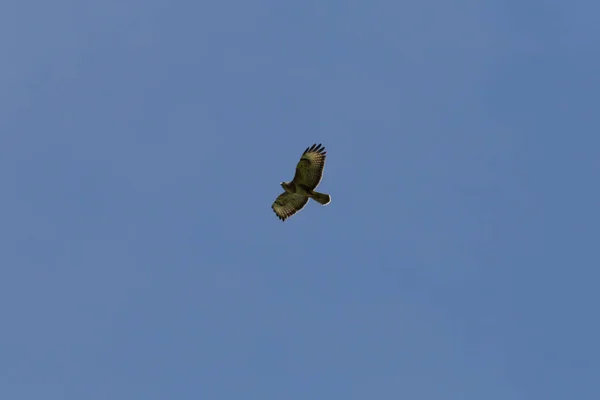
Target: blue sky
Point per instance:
(142, 144)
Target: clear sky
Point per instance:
(141, 147)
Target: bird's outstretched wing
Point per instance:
(309, 170)
(288, 204)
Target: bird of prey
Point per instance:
(309, 172)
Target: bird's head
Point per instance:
(285, 186)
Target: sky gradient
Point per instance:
(142, 144)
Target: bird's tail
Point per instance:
(321, 198)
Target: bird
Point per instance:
(309, 173)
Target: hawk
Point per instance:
(309, 172)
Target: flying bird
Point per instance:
(309, 172)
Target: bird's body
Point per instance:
(309, 172)
(291, 187)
